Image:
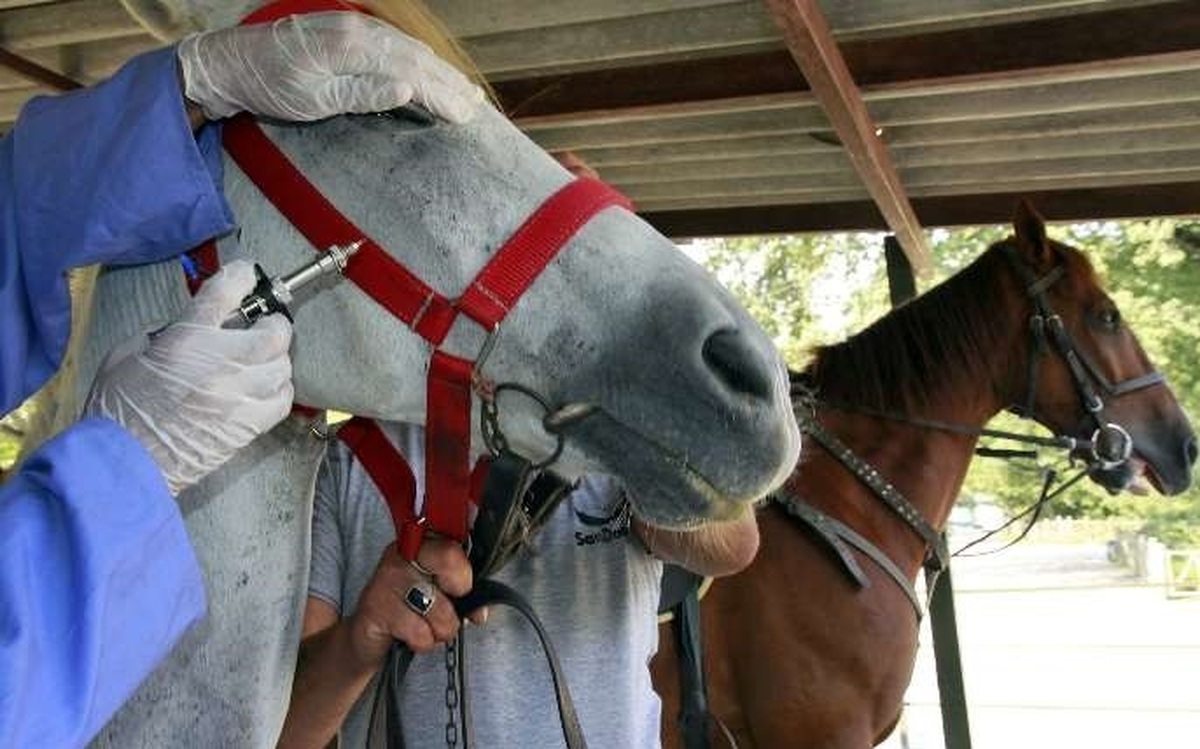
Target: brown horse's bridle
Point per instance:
(1110, 445)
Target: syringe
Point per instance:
(273, 295)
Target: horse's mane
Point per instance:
(903, 359)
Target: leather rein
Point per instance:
(1109, 447)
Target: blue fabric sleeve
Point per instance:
(97, 582)
(107, 174)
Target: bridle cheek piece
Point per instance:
(1110, 445)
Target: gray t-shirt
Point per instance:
(594, 587)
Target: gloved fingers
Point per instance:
(450, 102)
(379, 93)
(199, 349)
(375, 68)
(221, 294)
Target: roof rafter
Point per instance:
(811, 43)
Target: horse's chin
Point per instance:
(666, 489)
(1135, 476)
(673, 509)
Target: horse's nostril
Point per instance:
(737, 363)
(1190, 451)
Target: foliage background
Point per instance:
(811, 290)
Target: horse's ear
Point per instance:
(1030, 230)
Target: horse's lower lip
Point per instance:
(700, 484)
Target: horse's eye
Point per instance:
(1110, 319)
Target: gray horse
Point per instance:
(692, 403)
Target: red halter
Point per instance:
(487, 300)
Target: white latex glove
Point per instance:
(193, 393)
(308, 67)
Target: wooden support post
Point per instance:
(942, 621)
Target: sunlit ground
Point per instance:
(1062, 649)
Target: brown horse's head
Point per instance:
(1085, 375)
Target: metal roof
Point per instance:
(699, 111)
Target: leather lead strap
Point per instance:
(693, 691)
(386, 725)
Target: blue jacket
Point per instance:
(97, 578)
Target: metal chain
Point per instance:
(452, 693)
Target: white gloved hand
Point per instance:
(308, 67)
(194, 393)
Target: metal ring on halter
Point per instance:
(419, 598)
(1123, 443)
(494, 437)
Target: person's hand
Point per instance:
(313, 66)
(194, 393)
(382, 614)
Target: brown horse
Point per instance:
(799, 653)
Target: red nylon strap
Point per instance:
(392, 476)
(374, 271)
(448, 444)
(283, 8)
(206, 263)
(533, 246)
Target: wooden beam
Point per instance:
(1091, 37)
(812, 45)
(66, 22)
(36, 73)
(1177, 199)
